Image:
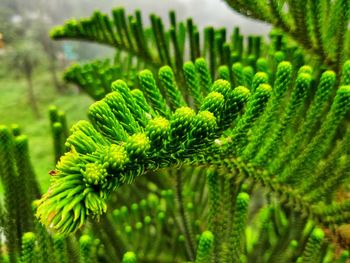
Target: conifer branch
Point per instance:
(123, 141)
(320, 31)
(130, 36)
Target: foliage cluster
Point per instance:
(206, 149)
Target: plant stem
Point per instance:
(184, 220)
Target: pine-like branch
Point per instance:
(319, 26)
(129, 135)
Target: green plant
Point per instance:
(319, 26)
(218, 158)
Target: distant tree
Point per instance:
(17, 19)
(24, 55)
(50, 48)
(7, 28)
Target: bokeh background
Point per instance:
(32, 65)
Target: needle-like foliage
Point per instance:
(240, 154)
(114, 149)
(319, 26)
